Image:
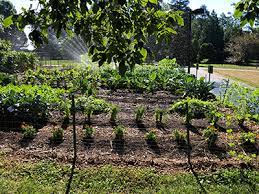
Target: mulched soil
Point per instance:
(165, 155)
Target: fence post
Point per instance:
(74, 146)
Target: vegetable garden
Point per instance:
(153, 116)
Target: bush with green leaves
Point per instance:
(244, 101)
(168, 63)
(28, 131)
(57, 134)
(139, 113)
(91, 106)
(179, 137)
(16, 62)
(197, 108)
(145, 78)
(151, 136)
(198, 88)
(119, 132)
(211, 135)
(6, 79)
(31, 102)
(83, 80)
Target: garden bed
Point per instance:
(165, 155)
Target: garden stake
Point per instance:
(74, 146)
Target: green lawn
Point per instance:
(48, 177)
(230, 66)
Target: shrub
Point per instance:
(57, 134)
(114, 113)
(179, 137)
(88, 131)
(151, 136)
(6, 79)
(197, 108)
(168, 63)
(28, 131)
(34, 102)
(198, 88)
(119, 132)
(139, 113)
(91, 106)
(210, 133)
(13, 61)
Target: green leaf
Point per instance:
(8, 21)
(152, 76)
(143, 52)
(153, 1)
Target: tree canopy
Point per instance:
(16, 37)
(247, 11)
(114, 30)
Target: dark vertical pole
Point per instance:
(190, 41)
(188, 132)
(74, 146)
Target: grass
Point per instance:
(230, 66)
(249, 77)
(49, 177)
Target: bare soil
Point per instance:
(165, 155)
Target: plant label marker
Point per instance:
(210, 71)
(197, 68)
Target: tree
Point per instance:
(242, 48)
(247, 11)
(207, 53)
(208, 29)
(114, 30)
(17, 38)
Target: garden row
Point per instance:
(167, 76)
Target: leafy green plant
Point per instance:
(28, 131)
(114, 113)
(139, 113)
(179, 137)
(159, 114)
(6, 79)
(197, 108)
(57, 134)
(249, 138)
(91, 106)
(244, 101)
(211, 135)
(198, 88)
(119, 132)
(35, 102)
(151, 136)
(88, 131)
(168, 63)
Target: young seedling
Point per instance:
(88, 132)
(119, 132)
(151, 137)
(28, 131)
(139, 113)
(179, 137)
(211, 135)
(57, 134)
(114, 113)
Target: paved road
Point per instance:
(217, 78)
